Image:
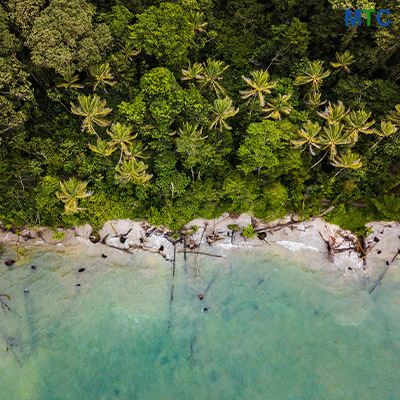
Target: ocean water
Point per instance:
(273, 330)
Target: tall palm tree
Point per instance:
(387, 129)
(71, 192)
(309, 136)
(343, 61)
(277, 107)
(130, 51)
(137, 150)
(102, 147)
(313, 99)
(212, 75)
(394, 116)
(102, 75)
(132, 171)
(259, 85)
(196, 21)
(121, 136)
(347, 160)
(223, 109)
(334, 113)
(334, 135)
(193, 72)
(356, 122)
(70, 81)
(314, 73)
(94, 111)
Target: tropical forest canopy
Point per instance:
(170, 111)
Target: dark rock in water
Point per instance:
(204, 309)
(379, 252)
(164, 360)
(9, 263)
(81, 269)
(33, 268)
(387, 262)
(94, 237)
(78, 284)
(262, 235)
(116, 392)
(122, 239)
(161, 248)
(104, 256)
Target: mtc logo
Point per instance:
(356, 18)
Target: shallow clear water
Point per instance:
(273, 330)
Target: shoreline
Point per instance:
(316, 243)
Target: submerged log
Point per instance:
(377, 283)
(203, 253)
(201, 296)
(173, 274)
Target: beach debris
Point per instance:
(82, 269)
(201, 296)
(262, 235)
(380, 277)
(234, 228)
(26, 290)
(330, 242)
(10, 262)
(94, 237)
(3, 303)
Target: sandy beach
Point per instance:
(311, 242)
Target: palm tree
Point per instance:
(334, 135)
(212, 75)
(343, 61)
(71, 191)
(137, 150)
(313, 99)
(121, 135)
(347, 160)
(196, 22)
(102, 147)
(309, 136)
(259, 84)
(387, 129)
(92, 108)
(132, 171)
(223, 109)
(356, 122)
(102, 75)
(278, 106)
(334, 113)
(314, 73)
(394, 116)
(192, 72)
(129, 51)
(70, 81)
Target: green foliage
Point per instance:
(179, 127)
(66, 25)
(248, 232)
(163, 32)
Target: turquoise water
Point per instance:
(273, 330)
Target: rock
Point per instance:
(94, 237)
(81, 269)
(104, 256)
(33, 268)
(262, 235)
(9, 262)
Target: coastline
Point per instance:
(315, 243)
